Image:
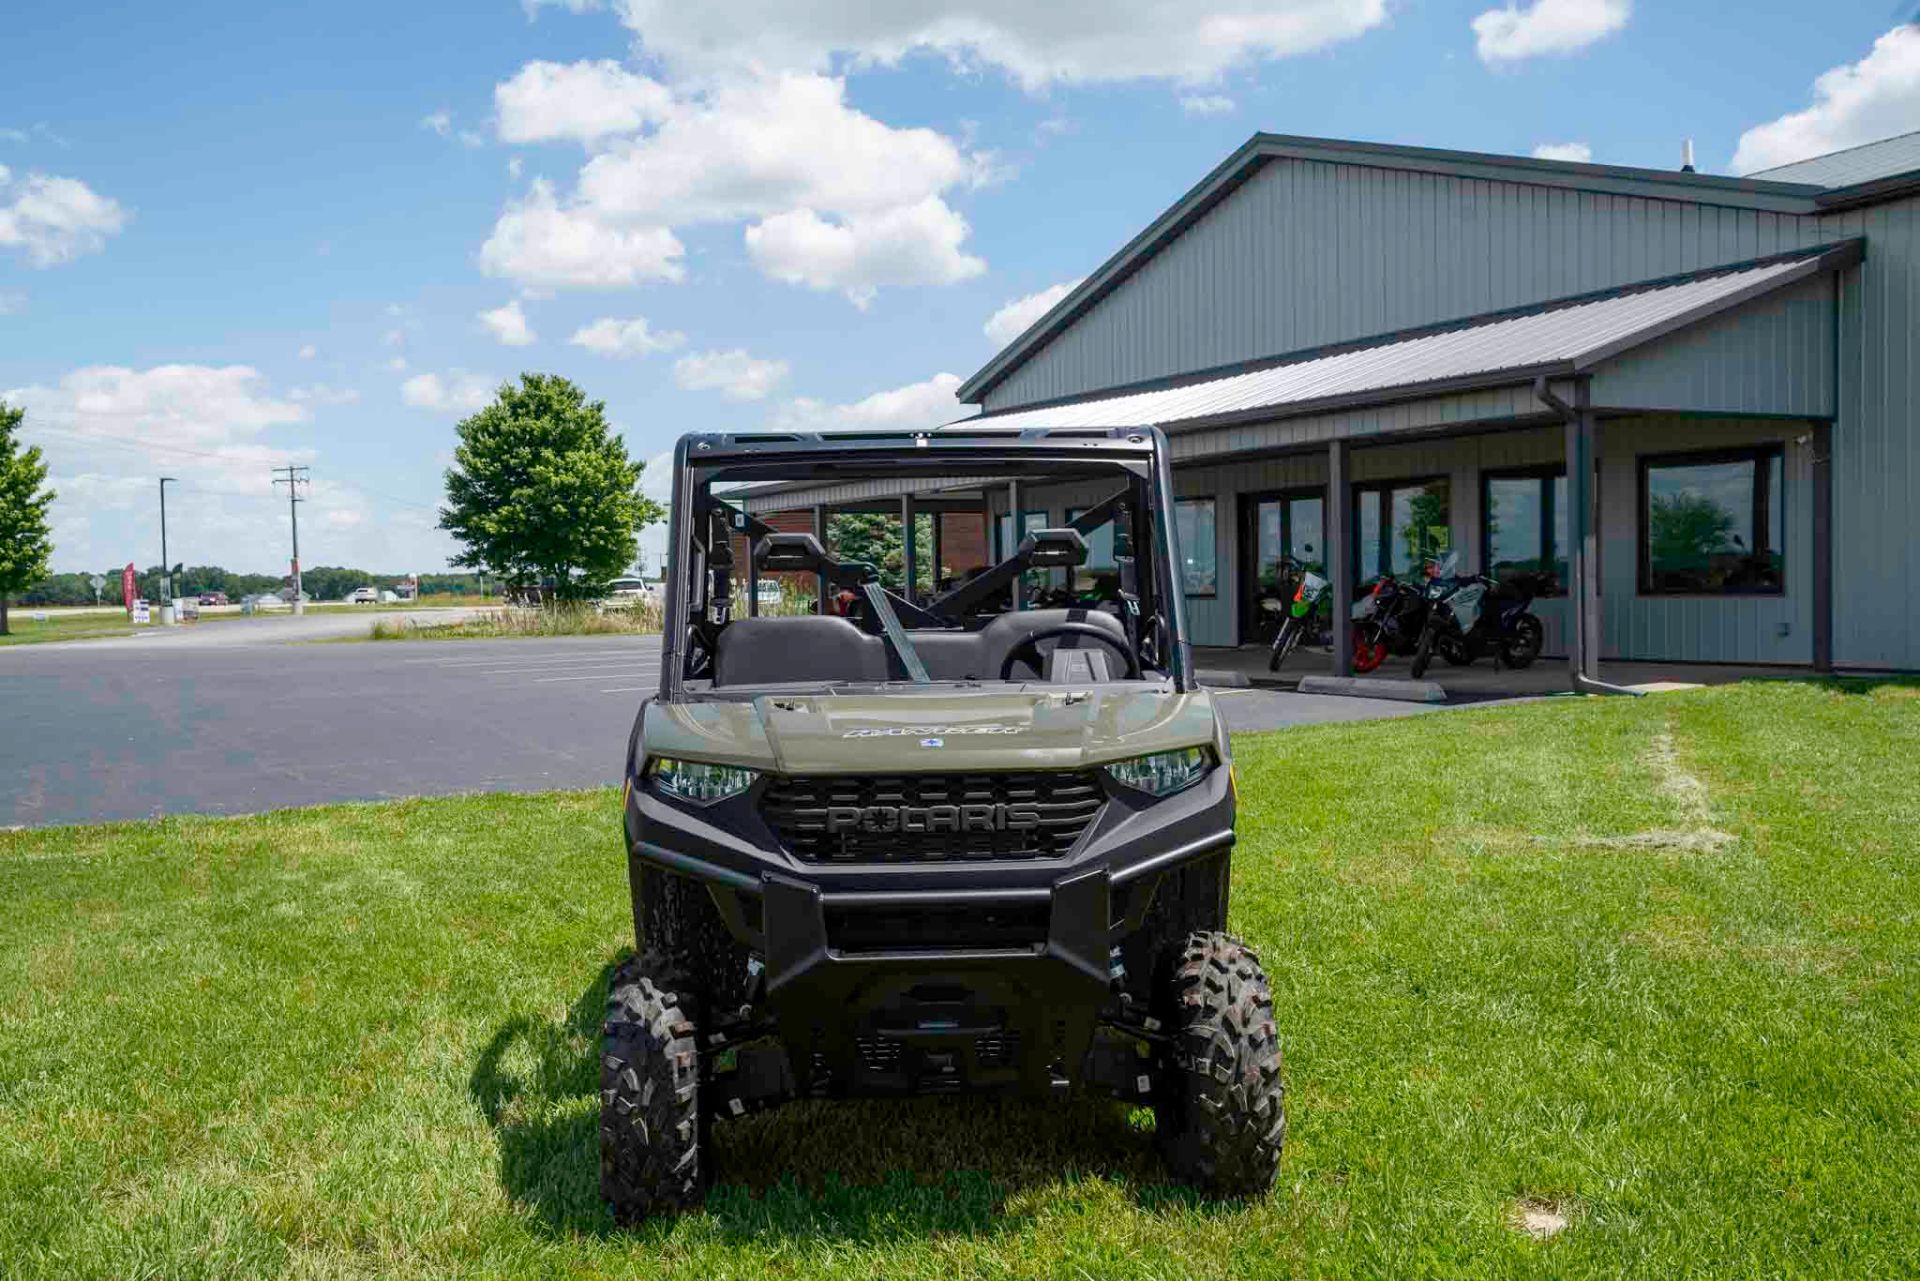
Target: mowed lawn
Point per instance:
(1650, 968)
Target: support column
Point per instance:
(820, 533)
(934, 528)
(1822, 575)
(1583, 597)
(1016, 524)
(909, 563)
(1339, 538)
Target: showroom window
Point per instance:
(1193, 519)
(1712, 524)
(1415, 529)
(1523, 528)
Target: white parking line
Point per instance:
(597, 676)
(628, 689)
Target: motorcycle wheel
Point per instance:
(1423, 655)
(1524, 645)
(1367, 654)
(1283, 644)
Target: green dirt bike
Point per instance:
(1311, 609)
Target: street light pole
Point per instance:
(166, 566)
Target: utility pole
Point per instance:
(294, 478)
(167, 618)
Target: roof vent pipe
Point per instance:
(1686, 155)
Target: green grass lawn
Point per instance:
(1648, 965)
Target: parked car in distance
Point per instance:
(213, 598)
(364, 596)
(265, 600)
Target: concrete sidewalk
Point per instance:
(1479, 681)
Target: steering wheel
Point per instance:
(1032, 642)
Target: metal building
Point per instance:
(1367, 354)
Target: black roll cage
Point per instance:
(700, 458)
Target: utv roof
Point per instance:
(703, 448)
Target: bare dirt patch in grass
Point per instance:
(1538, 1218)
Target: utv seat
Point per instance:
(764, 651)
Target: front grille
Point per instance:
(924, 818)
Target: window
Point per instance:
(1416, 526)
(1099, 542)
(1193, 521)
(1712, 524)
(1003, 531)
(1523, 529)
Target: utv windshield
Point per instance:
(855, 563)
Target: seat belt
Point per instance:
(896, 635)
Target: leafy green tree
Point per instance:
(542, 490)
(875, 537)
(25, 540)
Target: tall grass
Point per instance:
(640, 618)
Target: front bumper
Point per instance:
(900, 977)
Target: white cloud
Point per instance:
(1575, 151)
(508, 325)
(1206, 104)
(533, 7)
(581, 101)
(734, 374)
(1018, 316)
(308, 351)
(458, 392)
(917, 405)
(441, 122)
(610, 336)
(1547, 27)
(543, 245)
(1863, 101)
(769, 144)
(55, 220)
(1060, 41)
(912, 245)
(205, 424)
(838, 199)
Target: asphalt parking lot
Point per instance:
(99, 730)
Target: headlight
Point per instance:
(1163, 773)
(697, 781)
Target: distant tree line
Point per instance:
(322, 582)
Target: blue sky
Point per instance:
(237, 235)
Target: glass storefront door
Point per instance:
(1278, 528)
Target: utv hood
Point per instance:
(946, 731)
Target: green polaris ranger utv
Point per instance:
(918, 843)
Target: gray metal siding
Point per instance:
(1772, 356)
(1876, 452)
(1307, 253)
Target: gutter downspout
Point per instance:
(1582, 558)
